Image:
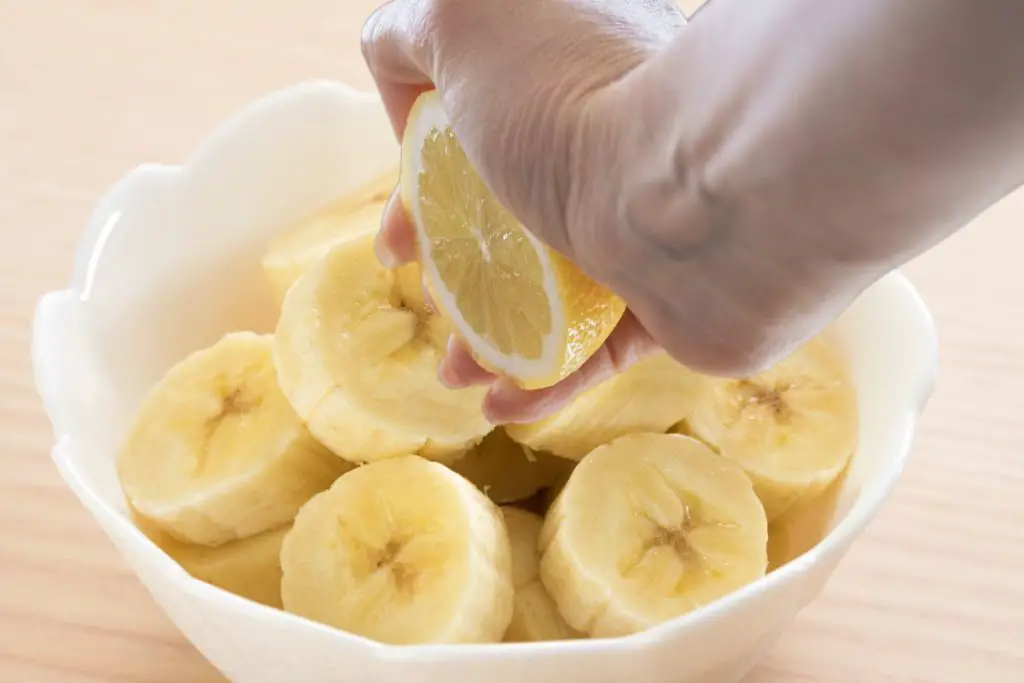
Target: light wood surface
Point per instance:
(88, 88)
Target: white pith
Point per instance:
(433, 117)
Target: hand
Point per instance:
(521, 136)
(738, 183)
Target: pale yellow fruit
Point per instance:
(301, 245)
(535, 616)
(250, 568)
(650, 396)
(648, 528)
(522, 309)
(357, 352)
(215, 452)
(508, 471)
(401, 551)
(804, 525)
(793, 428)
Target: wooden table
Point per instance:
(88, 88)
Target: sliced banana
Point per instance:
(401, 551)
(250, 568)
(534, 616)
(651, 396)
(793, 428)
(804, 525)
(216, 453)
(508, 471)
(357, 352)
(301, 245)
(650, 527)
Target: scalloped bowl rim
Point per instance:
(65, 452)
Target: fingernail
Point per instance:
(496, 404)
(444, 375)
(384, 255)
(445, 372)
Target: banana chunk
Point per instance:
(216, 453)
(650, 527)
(250, 567)
(651, 396)
(534, 616)
(301, 245)
(793, 428)
(357, 352)
(401, 551)
(508, 471)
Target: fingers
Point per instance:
(458, 369)
(506, 403)
(395, 243)
(396, 48)
(397, 51)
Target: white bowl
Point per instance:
(169, 261)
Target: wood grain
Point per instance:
(89, 88)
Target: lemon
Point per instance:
(522, 309)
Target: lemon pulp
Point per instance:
(523, 310)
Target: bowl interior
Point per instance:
(170, 261)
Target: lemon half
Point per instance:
(523, 310)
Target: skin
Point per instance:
(738, 179)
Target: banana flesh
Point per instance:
(357, 352)
(249, 568)
(307, 241)
(651, 396)
(507, 471)
(216, 453)
(793, 428)
(401, 551)
(648, 528)
(534, 616)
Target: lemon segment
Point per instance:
(523, 310)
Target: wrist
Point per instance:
(724, 282)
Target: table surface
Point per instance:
(89, 88)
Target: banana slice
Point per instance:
(792, 428)
(216, 453)
(650, 527)
(651, 396)
(804, 525)
(357, 352)
(301, 245)
(401, 551)
(534, 616)
(508, 471)
(250, 568)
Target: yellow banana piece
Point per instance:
(793, 428)
(650, 396)
(250, 568)
(216, 453)
(301, 245)
(650, 527)
(357, 352)
(534, 616)
(401, 551)
(508, 471)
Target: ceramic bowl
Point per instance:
(169, 261)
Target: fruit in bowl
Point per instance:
(632, 534)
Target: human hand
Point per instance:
(738, 183)
(520, 135)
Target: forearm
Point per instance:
(816, 144)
